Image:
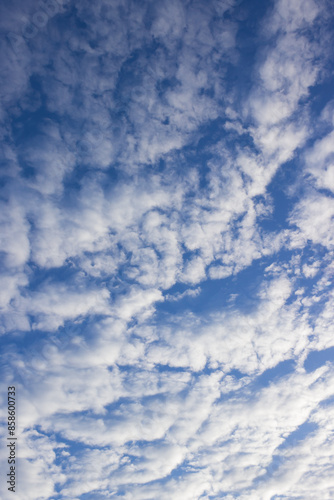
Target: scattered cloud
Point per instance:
(166, 248)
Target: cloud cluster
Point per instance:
(166, 249)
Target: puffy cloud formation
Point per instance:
(166, 248)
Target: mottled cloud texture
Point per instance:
(166, 245)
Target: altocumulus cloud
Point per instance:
(167, 203)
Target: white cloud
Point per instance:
(10, 288)
(320, 162)
(14, 235)
(314, 217)
(311, 270)
(187, 293)
(115, 212)
(36, 472)
(137, 302)
(52, 306)
(291, 17)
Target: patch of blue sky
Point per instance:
(283, 190)
(272, 375)
(298, 435)
(102, 495)
(316, 359)
(64, 274)
(238, 291)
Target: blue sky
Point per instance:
(166, 244)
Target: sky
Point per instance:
(166, 246)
